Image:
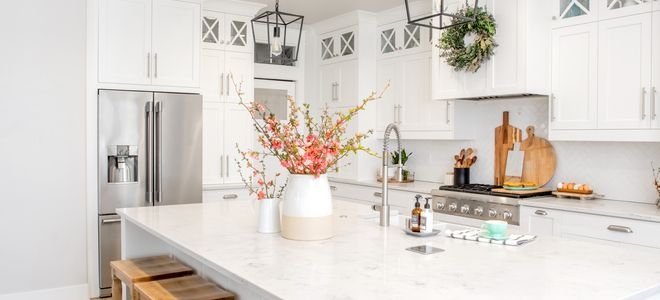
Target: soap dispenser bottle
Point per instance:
(426, 220)
(416, 215)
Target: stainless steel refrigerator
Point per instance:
(150, 153)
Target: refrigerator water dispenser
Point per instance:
(122, 163)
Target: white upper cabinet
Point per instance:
(175, 43)
(519, 65)
(338, 84)
(620, 8)
(401, 38)
(624, 72)
(217, 71)
(574, 87)
(149, 42)
(125, 41)
(655, 84)
(573, 12)
(338, 45)
(226, 31)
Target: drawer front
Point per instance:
(352, 191)
(537, 220)
(622, 230)
(211, 196)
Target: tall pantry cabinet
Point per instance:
(227, 68)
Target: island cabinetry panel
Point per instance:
(590, 227)
(149, 42)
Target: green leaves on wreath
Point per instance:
(452, 42)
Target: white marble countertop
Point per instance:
(366, 261)
(621, 209)
(417, 186)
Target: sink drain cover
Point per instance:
(424, 249)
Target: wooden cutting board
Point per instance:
(505, 136)
(540, 161)
(527, 192)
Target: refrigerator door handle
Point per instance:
(158, 152)
(150, 145)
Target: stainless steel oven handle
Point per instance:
(110, 221)
(148, 159)
(158, 151)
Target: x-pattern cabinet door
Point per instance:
(620, 8)
(212, 29)
(347, 43)
(412, 36)
(573, 12)
(236, 34)
(328, 47)
(388, 40)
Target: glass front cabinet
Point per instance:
(338, 44)
(225, 31)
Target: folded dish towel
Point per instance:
(473, 235)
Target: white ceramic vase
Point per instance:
(307, 208)
(269, 215)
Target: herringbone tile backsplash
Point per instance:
(621, 171)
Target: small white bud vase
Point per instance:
(307, 209)
(269, 215)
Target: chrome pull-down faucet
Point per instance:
(385, 207)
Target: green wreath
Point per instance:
(452, 42)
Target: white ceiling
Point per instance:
(317, 10)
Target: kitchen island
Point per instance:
(366, 261)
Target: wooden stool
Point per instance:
(181, 288)
(132, 271)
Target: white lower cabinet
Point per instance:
(404, 201)
(604, 229)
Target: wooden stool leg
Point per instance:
(134, 293)
(116, 287)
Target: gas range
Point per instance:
(478, 201)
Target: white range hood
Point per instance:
(521, 64)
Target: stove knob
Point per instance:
(440, 206)
(492, 213)
(452, 207)
(465, 209)
(478, 211)
(507, 215)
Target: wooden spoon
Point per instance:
(469, 152)
(472, 161)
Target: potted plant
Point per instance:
(403, 158)
(308, 148)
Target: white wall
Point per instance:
(42, 144)
(621, 171)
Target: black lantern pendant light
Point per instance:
(278, 24)
(439, 12)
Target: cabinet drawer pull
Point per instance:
(447, 113)
(541, 212)
(619, 228)
(552, 107)
(333, 188)
(378, 194)
(230, 196)
(653, 113)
